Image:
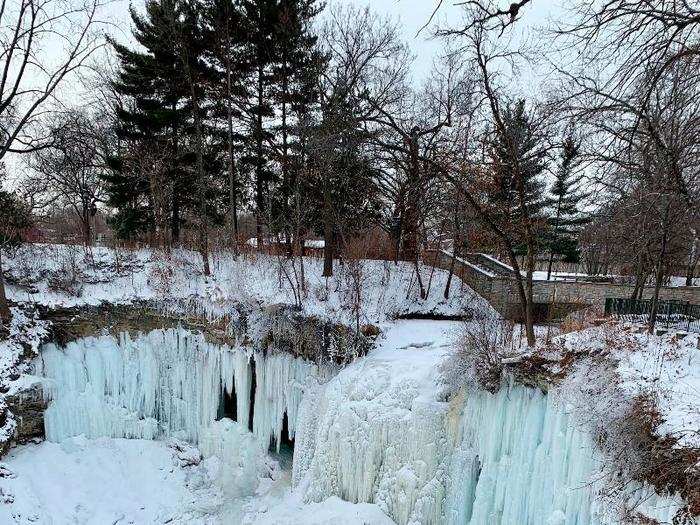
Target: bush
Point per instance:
(68, 276)
(479, 351)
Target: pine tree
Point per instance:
(261, 17)
(522, 140)
(295, 92)
(343, 188)
(164, 173)
(154, 82)
(231, 53)
(566, 218)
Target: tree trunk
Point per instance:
(448, 284)
(4, 307)
(549, 264)
(259, 183)
(233, 205)
(659, 270)
(328, 237)
(411, 214)
(529, 314)
(175, 217)
(692, 259)
(554, 237)
(286, 183)
(525, 307)
(201, 182)
(85, 219)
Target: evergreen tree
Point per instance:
(170, 152)
(261, 17)
(566, 218)
(522, 140)
(230, 51)
(343, 186)
(154, 82)
(295, 92)
(522, 137)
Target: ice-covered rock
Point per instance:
(241, 455)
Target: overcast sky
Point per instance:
(412, 15)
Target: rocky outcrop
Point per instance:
(27, 403)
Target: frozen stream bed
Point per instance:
(136, 481)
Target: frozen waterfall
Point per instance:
(374, 433)
(165, 383)
(510, 458)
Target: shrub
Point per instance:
(477, 361)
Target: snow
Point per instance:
(667, 366)
(106, 481)
(375, 443)
(59, 275)
(25, 334)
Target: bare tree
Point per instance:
(486, 14)
(366, 56)
(646, 146)
(635, 39)
(15, 218)
(72, 169)
(29, 77)
(513, 223)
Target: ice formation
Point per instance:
(241, 455)
(520, 459)
(364, 439)
(375, 433)
(512, 457)
(165, 383)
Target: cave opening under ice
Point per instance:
(169, 383)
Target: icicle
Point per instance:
(242, 456)
(513, 457)
(165, 383)
(280, 382)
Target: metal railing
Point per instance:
(678, 315)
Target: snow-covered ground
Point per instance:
(665, 367)
(119, 481)
(59, 275)
(376, 442)
(106, 481)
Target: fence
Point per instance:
(671, 314)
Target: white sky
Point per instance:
(411, 14)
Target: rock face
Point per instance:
(27, 403)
